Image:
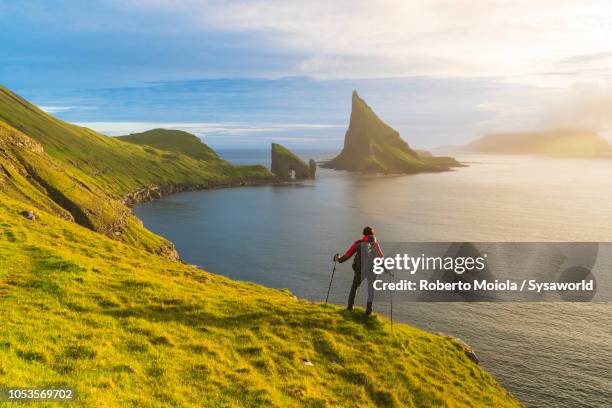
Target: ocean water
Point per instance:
(546, 354)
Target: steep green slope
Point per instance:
(91, 179)
(28, 174)
(572, 143)
(118, 167)
(128, 328)
(372, 146)
(174, 141)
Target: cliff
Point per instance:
(372, 146)
(286, 165)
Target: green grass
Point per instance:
(88, 177)
(173, 140)
(86, 301)
(116, 166)
(128, 328)
(283, 151)
(284, 159)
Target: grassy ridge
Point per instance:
(130, 329)
(173, 140)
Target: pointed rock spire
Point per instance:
(372, 146)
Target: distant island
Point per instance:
(570, 143)
(372, 146)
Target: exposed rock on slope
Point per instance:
(312, 167)
(371, 146)
(286, 165)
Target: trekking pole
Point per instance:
(330, 282)
(391, 301)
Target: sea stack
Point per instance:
(287, 166)
(372, 146)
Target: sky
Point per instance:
(247, 73)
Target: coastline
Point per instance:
(154, 192)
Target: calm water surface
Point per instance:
(547, 354)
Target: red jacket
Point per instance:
(357, 247)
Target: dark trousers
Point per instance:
(357, 279)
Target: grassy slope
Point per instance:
(173, 140)
(373, 146)
(117, 167)
(281, 157)
(283, 151)
(86, 175)
(41, 182)
(127, 328)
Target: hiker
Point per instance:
(369, 245)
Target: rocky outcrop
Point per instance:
(312, 167)
(372, 146)
(154, 192)
(463, 346)
(287, 166)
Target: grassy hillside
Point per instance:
(117, 166)
(127, 328)
(89, 178)
(87, 303)
(30, 175)
(174, 141)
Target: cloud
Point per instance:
(473, 66)
(585, 105)
(56, 109)
(592, 57)
(122, 128)
(359, 38)
(227, 133)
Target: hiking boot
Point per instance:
(369, 309)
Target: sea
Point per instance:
(555, 354)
